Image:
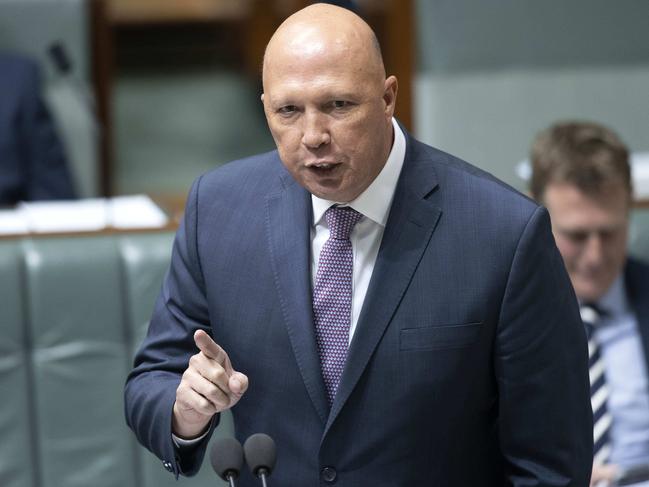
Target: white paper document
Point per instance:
(640, 173)
(135, 212)
(12, 222)
(85, 215)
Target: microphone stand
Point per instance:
(230, 476)
(262, 475)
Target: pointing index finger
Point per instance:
(209, 347)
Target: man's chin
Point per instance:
(333, 193)
(591, 292)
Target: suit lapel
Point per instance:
(410, 225)
(289, 215)
(638, 289)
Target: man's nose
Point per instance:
(315, 130)
(594, 249)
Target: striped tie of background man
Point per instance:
(590, 315)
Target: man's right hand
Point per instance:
(603, 475)
(208, 386)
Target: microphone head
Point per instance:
(226, 457)
(59, 57)
(260, 453)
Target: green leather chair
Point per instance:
(74, 310)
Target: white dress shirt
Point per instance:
(626, 377)
(374, 204)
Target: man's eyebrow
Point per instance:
(589, 230)
(281, 100)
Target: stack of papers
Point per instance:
(127, 212)
(640, 175)
(12, 222)
(86, 215)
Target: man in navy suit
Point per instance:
(581, 173)
(32, 160)
(465, 355)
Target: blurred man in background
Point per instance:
(581, 173)
(33, 165)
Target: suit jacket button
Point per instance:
(167, 466)
(329, 474)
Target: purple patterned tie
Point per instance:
(332, 295)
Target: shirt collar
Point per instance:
(615, 301)
(376, 200)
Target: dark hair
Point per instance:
(584, 154)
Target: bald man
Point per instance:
(389, 314)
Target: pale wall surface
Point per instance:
(492, 74)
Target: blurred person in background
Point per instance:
(581, 173)
(33, 164)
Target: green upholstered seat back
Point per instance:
(74, 310)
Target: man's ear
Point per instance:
(390, 89)
(262, 98)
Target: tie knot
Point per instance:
(591, 314)
(341, 221)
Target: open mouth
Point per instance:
(323, 168)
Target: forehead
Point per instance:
(304, 87)
(569, 206)
(321, 87)
(310, 60)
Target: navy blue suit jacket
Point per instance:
(32, 161)
(468, 364)
(636, 277)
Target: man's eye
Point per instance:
(339, 104)
(577, 237)
(287, 110)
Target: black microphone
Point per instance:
(260, 455)
(65, 68)
(226, 457)
(59, 57)
(73, 99)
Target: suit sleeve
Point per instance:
(545, 419)
(180, 310)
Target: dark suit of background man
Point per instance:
(466, 363)
(32, 160)
(581, 173)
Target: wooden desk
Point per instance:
(644, 203)
(164, 11)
